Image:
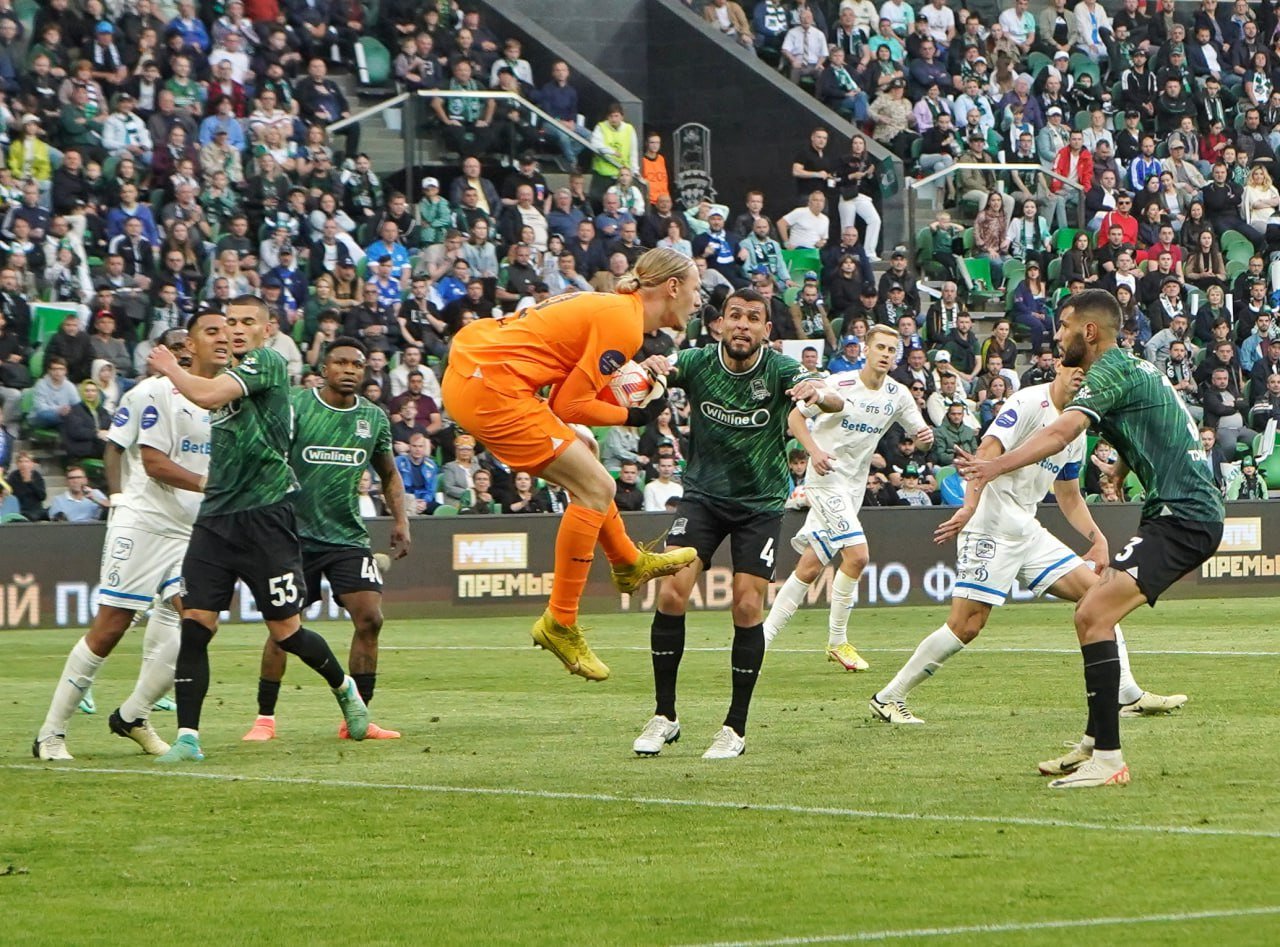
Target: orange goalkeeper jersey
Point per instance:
(595, 333)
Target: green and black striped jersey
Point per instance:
(1133, 406)
(332, 447)
(737, 427)
(249, 462)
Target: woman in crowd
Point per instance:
(84, 429)
(1195, 224)
(1078, 263)
(990, 235)
(1029, 236)
(992, 404)
(1030, 306)
(1204, 266)
(1000, 343)
(1259, 203)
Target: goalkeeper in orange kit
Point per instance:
(573, 344)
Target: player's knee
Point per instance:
(808, 570)
(747, 614)
(853, 560)
(597, 490)
(368, 627)
(968, 627)
(670, 600)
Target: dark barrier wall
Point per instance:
(491, 565)
(603, 43)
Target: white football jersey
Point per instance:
(1007, 506)
(155, 414)
(852, 433)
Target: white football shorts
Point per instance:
(986, 566)
(139, 568)
(831, 525)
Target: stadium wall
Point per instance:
(494, 565)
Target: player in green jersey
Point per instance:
(246, 529)
(337, 436)
(1133, 405)
(740, 393)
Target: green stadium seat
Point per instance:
(1062, 239)
(800, 262)
(374, 63)
(444, 509)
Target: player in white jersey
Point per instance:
(1000, 541)
(161, 442)
(840, 445)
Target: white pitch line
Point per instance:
(970, 650)
(1011, 927)
(825, 811)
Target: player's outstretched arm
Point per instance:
(208, 393)
(989, 449)
(1076, 510)
(822, 462)
(817, 396)
(1042, 444)
(111, 457)
(159, 466)
(384, 465)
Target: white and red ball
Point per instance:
(631, 387)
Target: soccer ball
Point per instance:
(632, 387)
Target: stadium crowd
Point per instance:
(160, 158)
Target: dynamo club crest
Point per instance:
(693, 164)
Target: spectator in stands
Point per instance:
(73, 346)
(729, 18)
(456, 478)
(1224, 411)
(990, 235)
(894, 121)
(1031, 306)
(81, 503)
(615, 145)
(27, 486)
(104, 344)
(419, 474)
(84, 429)
(628, 494)
(560, 100)
(806, 227)
(954, 433)
(321, 102)
(658, 491)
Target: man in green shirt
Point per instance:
(246, 529)
(337, 436)
(1134, 407)
(735, 487)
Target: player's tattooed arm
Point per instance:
(989, 449)
(393, 496)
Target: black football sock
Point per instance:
(745, 660)
(364, 684)
(191, 673)
(666, 642)
(317, 655)
(268, 693)
(1102, 687)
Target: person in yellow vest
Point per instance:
(613, 139)
(653, 168)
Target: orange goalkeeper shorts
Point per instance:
(519, 429)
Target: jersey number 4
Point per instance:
(766, 554)
(369, 571)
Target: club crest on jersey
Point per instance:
(759, 389)
(611, 361)
(121, 417)
(362, 428)
(249, 365)
(1007, 418)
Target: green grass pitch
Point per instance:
(513, 811)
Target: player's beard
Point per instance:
(733, 351)
(1073, 353)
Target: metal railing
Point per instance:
(409, 103)
(914, 185)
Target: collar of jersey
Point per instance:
(720, 356)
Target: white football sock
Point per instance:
(1129, 689)
(187, 731)
(785, 604)
(77, 677)
(843, 589)
(923, 663)
(160, 646)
